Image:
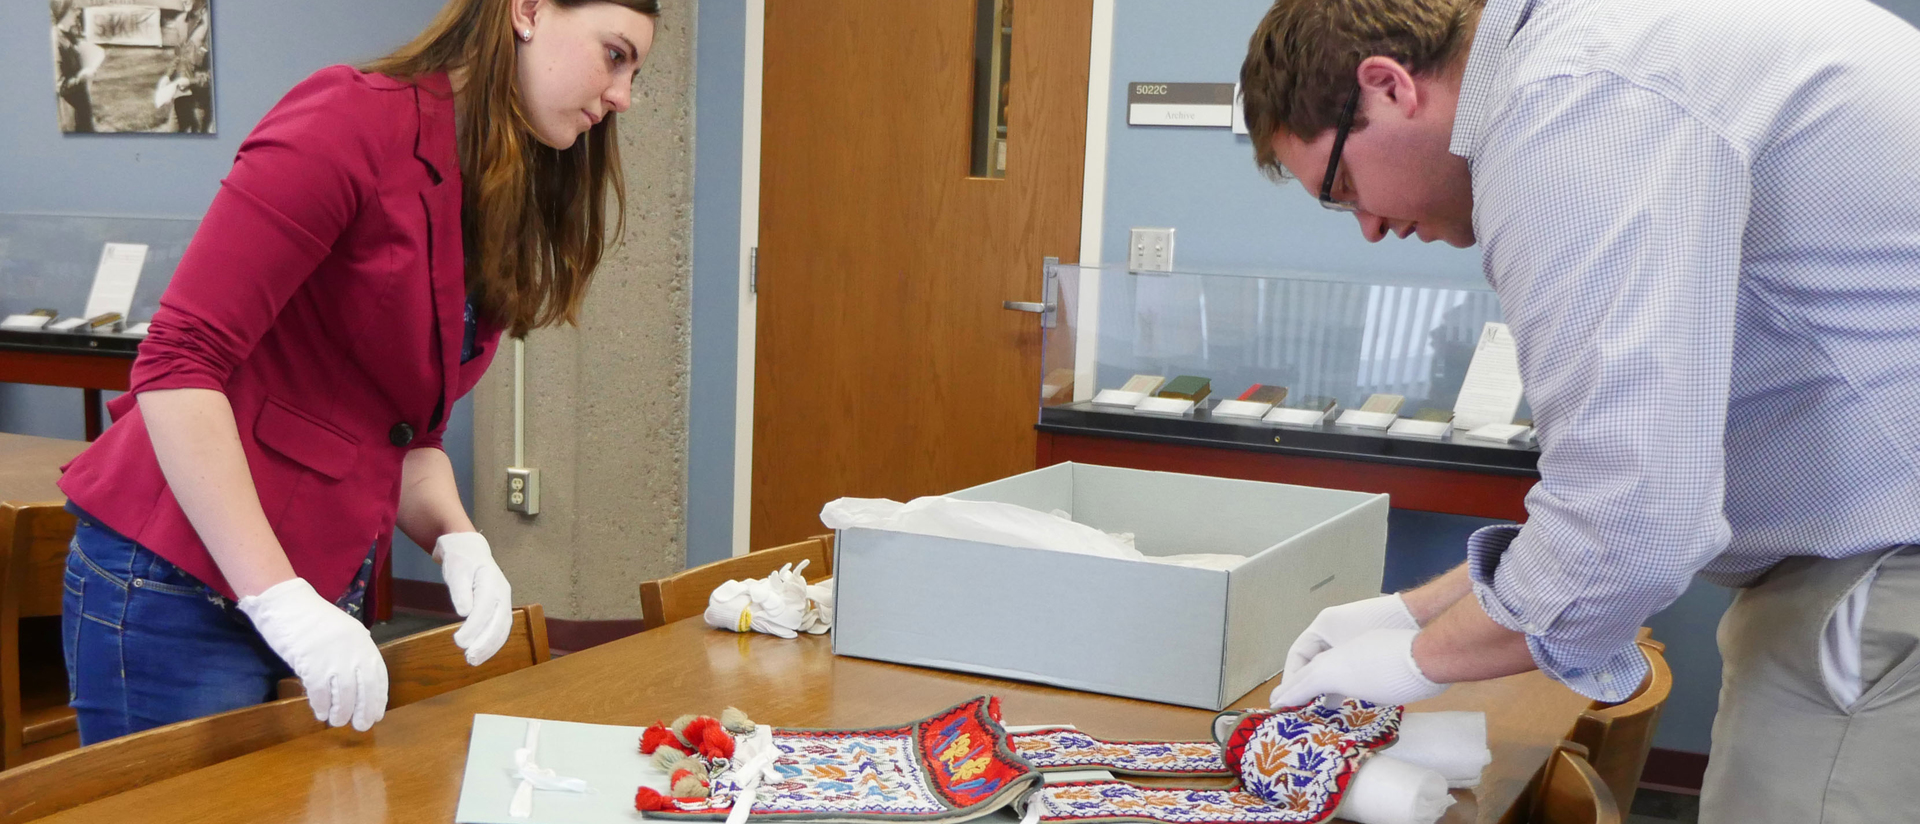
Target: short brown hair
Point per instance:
(534, 218)
(1302, 59)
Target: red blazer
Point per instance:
(325, 294)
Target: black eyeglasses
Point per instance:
(1333, 160)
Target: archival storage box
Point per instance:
(1153, 631)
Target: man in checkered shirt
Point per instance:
(1702, 218)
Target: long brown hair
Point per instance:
(534, 217)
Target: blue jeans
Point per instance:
(147, 644)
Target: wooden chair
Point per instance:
(1618, 736)
(69, 779)
(35, 720)
(1571, 792)
(426, 664)
(684, 595)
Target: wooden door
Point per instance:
(885, 364)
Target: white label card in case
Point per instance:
(1502, 433)
(1241, 409)
(116, 279)
(1296, 417)
(1119, 397)
(1420, 429)
(1492, 390)
(1367, 420)
(25, 323)
(67, 325)
(1165, 406)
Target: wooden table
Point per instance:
(408, 768)
(29, 466)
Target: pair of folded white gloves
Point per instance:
(781, 604)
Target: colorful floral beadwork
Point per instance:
(953, 766)
(1062, 748)
(1293, 764)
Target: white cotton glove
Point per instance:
(330, 651)
(1376, 666)
(1339, 624)
(480, 594)
(819, 607)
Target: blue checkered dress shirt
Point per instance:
(1703, 221)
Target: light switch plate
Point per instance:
(1150, 250)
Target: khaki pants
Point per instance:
(1782, 750)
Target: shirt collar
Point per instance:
(1499, 21)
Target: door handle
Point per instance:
(1048, 307)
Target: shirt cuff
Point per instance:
(1612, 680)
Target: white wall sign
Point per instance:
(1204, 105)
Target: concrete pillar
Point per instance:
(606, 404)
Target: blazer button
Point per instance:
(401, 434)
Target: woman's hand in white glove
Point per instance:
(331, 652)
(1376, 666)
(1337, 625)
(480, 593)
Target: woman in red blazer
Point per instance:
(379, 230)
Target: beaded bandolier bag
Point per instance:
(1288, 766)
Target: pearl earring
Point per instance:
(526, 35)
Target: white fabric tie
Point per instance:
(753, 758)
(535, 777)
(1036, 808)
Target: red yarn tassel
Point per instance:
(696, 730)
(649, 800)
(658, 736)
(716, 743)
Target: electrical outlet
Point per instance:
(523, 490)
(1150, 250)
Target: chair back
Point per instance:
(684, 594)
(1571, 792)
(1619, 736)
(35, 720)
(426, 664)
(73, 778)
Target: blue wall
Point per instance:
(260, 49)
(719, 54)
(1203, 183)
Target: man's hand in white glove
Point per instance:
(1376, 666)
(1339, 624)
(480, 594)
(330, 651)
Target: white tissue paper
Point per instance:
(1387, 790)
(781, 604)
(1000, 523)
(1453, 744)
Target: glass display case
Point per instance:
(48, 263)
(1274, 362)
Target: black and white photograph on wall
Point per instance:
(133, 65)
